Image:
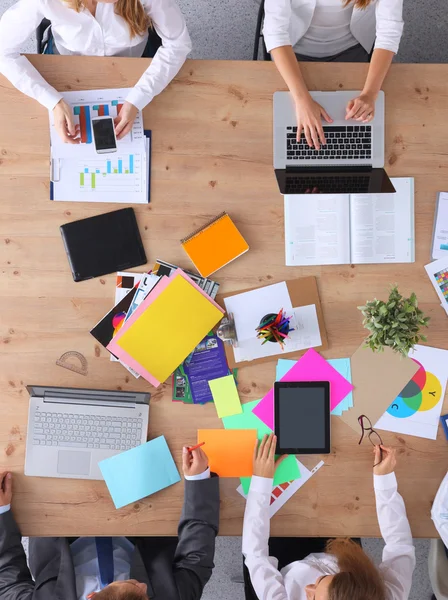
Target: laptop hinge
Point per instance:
(87, 402)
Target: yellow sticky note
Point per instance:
(225, 396)
(230, 451)
(170, 328)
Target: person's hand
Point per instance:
(5, 488)
(361, 108)
(309, 118)
(264, 457)
(64, 123)
(125, 119)
(385, 460)
(194, 462)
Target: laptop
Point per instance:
(352, 160)
(71, 430)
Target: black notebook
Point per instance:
(103, 244)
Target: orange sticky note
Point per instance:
(230, 451)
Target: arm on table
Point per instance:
(170, 25)
(399, 553)
(439, 511)
(198, 528)
(18, 23)
(15, 578)
(266, 579)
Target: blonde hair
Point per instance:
(358, 3)
(131, 11)
(358, 579)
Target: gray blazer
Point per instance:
(172, 571)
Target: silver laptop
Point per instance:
(71, 430)
(352, 160)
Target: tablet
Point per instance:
(302, 417)
(103, 244)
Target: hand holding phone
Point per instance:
(104, 135)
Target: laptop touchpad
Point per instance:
(73, 463)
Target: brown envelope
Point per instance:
(377, 378)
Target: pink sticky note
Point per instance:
(311, 367)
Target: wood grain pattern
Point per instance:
(212, 150)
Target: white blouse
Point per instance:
(289, 584)
(81, 33)
(329, 32)
(287, 21)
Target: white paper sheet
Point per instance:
(440, 241)
(416, 411)
(438, 276)
(80, 174)
(283, 492)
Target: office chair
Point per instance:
(153, 44)
(438, 569)
(259, 35)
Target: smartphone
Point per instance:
(104, 134)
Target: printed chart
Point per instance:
(84, 113)
(120, 174)
(416, 410)
(441, 278)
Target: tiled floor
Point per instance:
(225, 30)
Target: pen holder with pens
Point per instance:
(274, 327)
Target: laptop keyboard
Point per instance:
(86, 431)
(343, 142)
(340, 184)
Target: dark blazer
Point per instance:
(173, 569)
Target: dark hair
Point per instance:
(358, 579)
(112, 592)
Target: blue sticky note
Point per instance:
(139, 472)
(342, 365)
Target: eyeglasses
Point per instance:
(373, 436)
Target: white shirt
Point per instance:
(287, 21)
(289, 584)
(81, 33)
(439, 511)
(329, 31)
(85, 557)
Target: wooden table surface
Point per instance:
(212, 150)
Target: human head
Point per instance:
(131, 11)
(122, 590)
(358, 3)
(358, 578)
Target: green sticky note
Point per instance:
(289, 468)
(225, 396)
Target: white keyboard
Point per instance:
(86, 431)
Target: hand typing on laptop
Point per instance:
(309, 120)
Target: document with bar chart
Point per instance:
(80, 174)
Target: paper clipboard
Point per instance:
(303, 292)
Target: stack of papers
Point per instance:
(167, 326)
(80, 174)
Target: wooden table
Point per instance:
(212, 150)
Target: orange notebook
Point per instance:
(215, 245)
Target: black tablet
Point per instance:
(103, 244)
(302, 417)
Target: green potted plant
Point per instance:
(395, 323)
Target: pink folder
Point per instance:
(153, 294)
(311, 367)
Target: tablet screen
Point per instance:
(302, 417)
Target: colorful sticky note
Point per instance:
(225, 396)
(342, 366)
(288, 470)
(230, 451)
(139, 472)
(166, 327)
(311, 367)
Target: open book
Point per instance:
(323, 229)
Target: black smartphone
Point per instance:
(104, 135)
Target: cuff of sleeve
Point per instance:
(385, 482)
(261, 484)
(138, 98)
(276, 41)
(50, 99)
(5, 509)
(204, 475)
